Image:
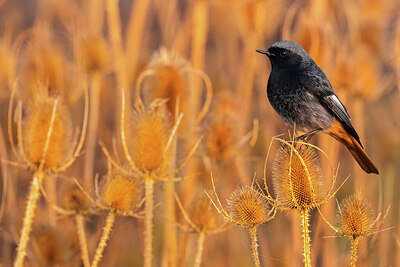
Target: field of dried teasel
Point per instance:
(138, 133)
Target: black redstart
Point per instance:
(302, 95)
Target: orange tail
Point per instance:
(339, 133)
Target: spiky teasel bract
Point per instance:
(74, 199)
(43, 61)
(169, 80)
(220, 139)
(170, 73)
(40, 116)
(297, 177)
(148, 137)
(356, 219)
(203, 221)
(297, 182)
(248, 208)
(202, 217)
(121, 191)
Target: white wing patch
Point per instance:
(338, 104)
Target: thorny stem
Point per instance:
(148, 222)
(305, 220)
(200, 246)
(80, 226)
(254, 245)
(354, 245)
(104, 237)
(28, 218)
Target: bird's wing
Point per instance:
(320, 87)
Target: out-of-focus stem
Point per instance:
(93, 128)
(306, 237)
(148, 222)
(199, 39)
(104, 237)
(254, 245)
(200, 247)
(34, 195)
(354, 245)
(80, 226)
(135, 32)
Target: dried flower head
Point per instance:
(148, 137)
(248, 207)
(121, 191)
(356, 217)
(203, 215)
(220, 139)
(94, 53)
(41, 114)
(297, 177)
(169, 80)
(74, 199)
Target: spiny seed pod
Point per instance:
(148, 138)
(75, 200)
(94, 53)
(169, 79)
(248, 207)
(220, 139)
(45, 65)
(356, 217)
(35, 130)
(121, 191)
(204, 216)
(297, 178)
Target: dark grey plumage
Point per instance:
(300, 92)
(302, 95)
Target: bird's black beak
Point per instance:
(265, 52)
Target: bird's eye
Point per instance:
(283, 53)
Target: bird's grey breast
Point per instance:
(295, 104)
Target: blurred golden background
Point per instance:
(200, 55)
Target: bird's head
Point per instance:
(286, 55)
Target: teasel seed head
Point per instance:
(203, 215)
(36, 125)
(148, 138)
(170, 79)
(220, 138)
(248, 207)
(356, 217)
(121, 191)
(74, 199)
(297, 178)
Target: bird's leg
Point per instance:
(307, 136)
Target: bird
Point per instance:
(302, 95)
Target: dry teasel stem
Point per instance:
(202, 221)
(248, 208)
(355, 220)
(43, 143)
(297, 182)
(151, 128)
(75, 203)
(121, 194)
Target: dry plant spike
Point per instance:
(104, 237)
(248, 209)
(355, 220)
